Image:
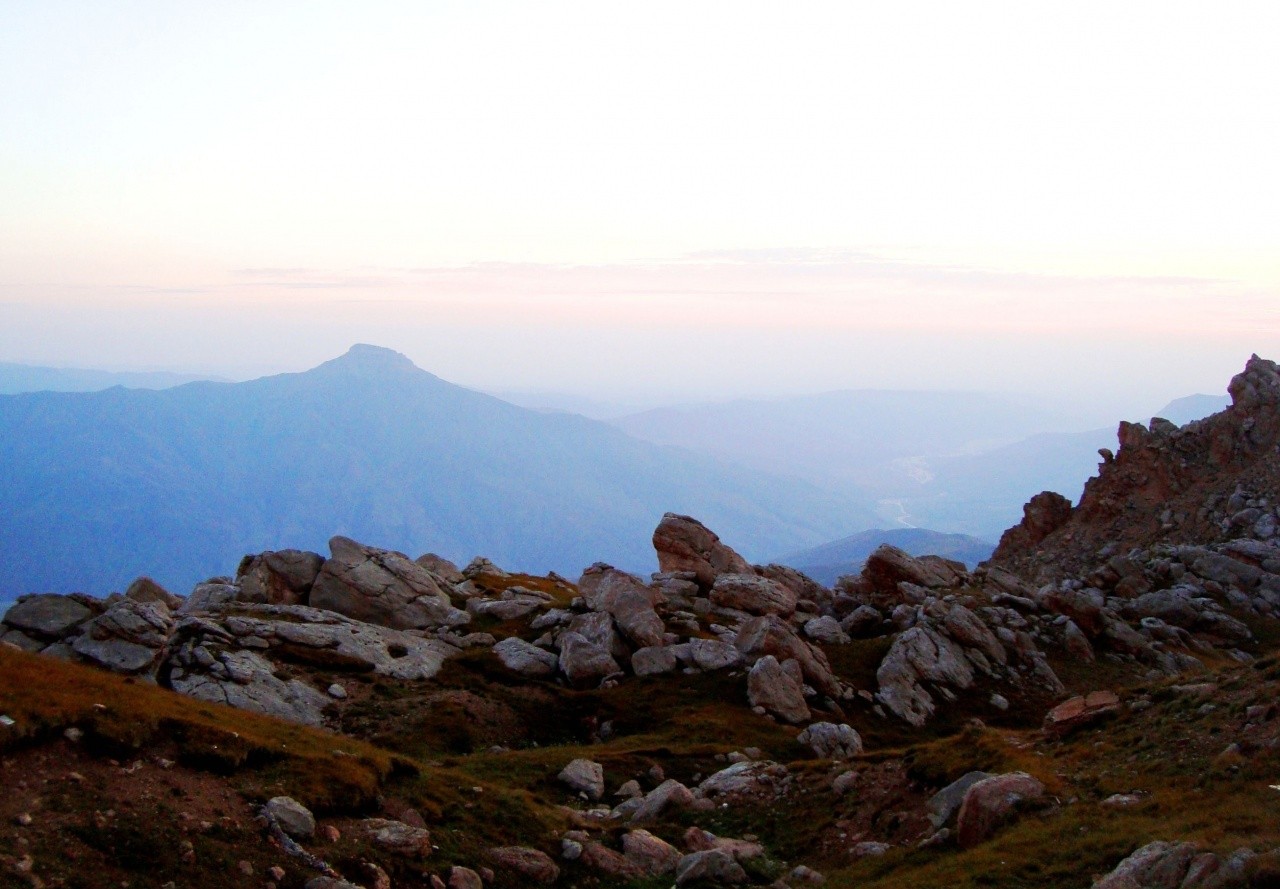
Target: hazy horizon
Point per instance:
(667, 203)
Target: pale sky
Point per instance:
(687, 199)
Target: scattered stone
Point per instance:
(653, 856)
(294, 818)
(398, 838)
(670, 794)
(1081, 711)
(464, 878)
(712, 865)
(584, 776)
(830, 741)
(866, 849)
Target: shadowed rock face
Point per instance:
(1165, 484)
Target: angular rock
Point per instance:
(527, 660)
(210, 596)
(946, 802)
(144, 589)
(752, 594)
(585, 663)
(770, 635)
(47, 615)
(685, 544)
(710, 655)
(442, 570)
(654, 856)
(129, 637)
(251, 684)
(888, 566)
(584, 776)
(1157, 865)
(991, 802)
(398, 838)
(1080, 711)
(609, 862)
(464, 878)
(278, 578)
(777, 689)
(381, 587)
(920, 654)
(294, 818)
(826, 630)
(670, 794)
(828, 740)
(741, 777)
(654, 661)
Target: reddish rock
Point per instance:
(993, 801)
(524, 862)
(685, 544)
(608, 862)
(1078, 712)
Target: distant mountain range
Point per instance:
(15, 378)
(101, 487)
(830, 561)
(956, 462)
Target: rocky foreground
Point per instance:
(1096, 703)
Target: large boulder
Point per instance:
(651, 854)
(624, 597)
(778, 688)
(753, 594)
(293, 817)
(144, 589)
(48, 615)
(944, 804)
(888, 566)
(713, 866)
(771, 635)
(583, 662)
(526, 659)
(828, 740)
(278, 578)
(129, 637)
(584, 776)
(381, 587)
(1157, 865)
(991, 802)
(247, 680)
(920, 654)
(685, 544)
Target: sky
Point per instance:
(648, 200)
